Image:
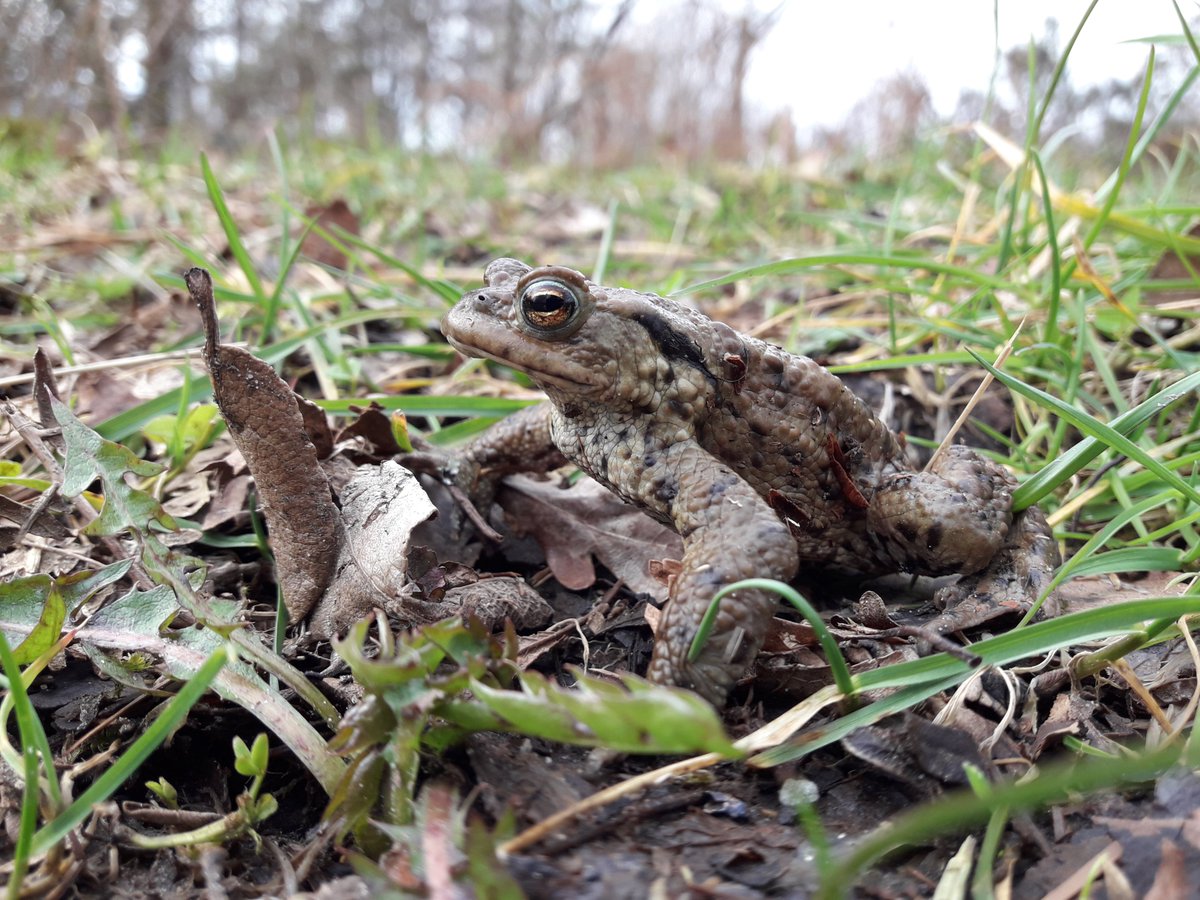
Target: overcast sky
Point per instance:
(824, 55)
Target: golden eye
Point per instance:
(549, 305)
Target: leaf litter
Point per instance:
(437, 687)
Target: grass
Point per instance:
(938, 259)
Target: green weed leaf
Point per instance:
(33, 609)
(88, 457)
(632, 717)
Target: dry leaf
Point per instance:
(266, 425)
(573, 524)
(380, 508)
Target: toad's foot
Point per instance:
(1016, 577)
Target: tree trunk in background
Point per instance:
(731, 140)
(106, 77)
(169, 33)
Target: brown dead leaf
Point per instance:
(104, 394)
(374, 427)
(1172, 879)
(143, 320)
(316, 426)
(332, 218)
(1170, 267)
(916, 752)
(1067, 717)
(492, 600)
(188, 493)
(572, 524)
(229, 482)
(229, 502)
(1093, 591)
(439, 590)
(267, 426)
(533, 647)
(44, 522)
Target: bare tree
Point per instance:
(567, 80)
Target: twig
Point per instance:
(1005, 351)
(117, 363)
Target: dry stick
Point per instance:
(464, 502)
(32, 436)
(43, 502)
(45, 392)
(119, 362)
(988, 378)
(44, 546)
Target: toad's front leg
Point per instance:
(729, 533)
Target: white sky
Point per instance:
(824, 55)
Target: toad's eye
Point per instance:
(549, 305)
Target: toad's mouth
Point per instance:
(568, 377)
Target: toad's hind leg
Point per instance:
(954, 517)
(957, 518)
(729, 533)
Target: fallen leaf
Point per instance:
(332, 218)
(267, 426)
(380, 508)
(575, 523)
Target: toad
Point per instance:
(762, 460)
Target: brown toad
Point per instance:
(760, 459)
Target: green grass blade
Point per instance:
(1056, 77)
(919, 679)
(937, 358)
(1075, 565)
(1050, 335)
(123, 424)
(34, 749)
(965, 809)
(1104, 435)
(461, 431)
(27, 822)
(833, 654)
(236, 247)
(1187, 31)
(29, 726)
(799, 264)
(271, 313)
(1132, 559)
(432, 405)
(444, 289)
(604, 251)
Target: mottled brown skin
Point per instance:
(761, 460)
